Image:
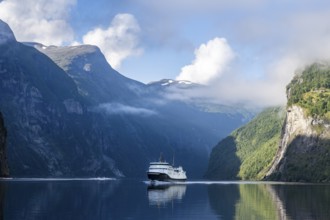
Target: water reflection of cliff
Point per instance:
(256, 203)
(270, 201)
(242, 201)
(305, 201)
(162, 194)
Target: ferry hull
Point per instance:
(162, 177)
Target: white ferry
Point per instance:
(163, 171)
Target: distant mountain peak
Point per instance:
(172, 82)
(166, 82)
(6, 34)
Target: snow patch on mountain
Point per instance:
(167, 82)
(171, 82)
(87, 67)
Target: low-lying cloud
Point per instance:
(211, 60)
(235, 87)
(119, 41)
(118, 108)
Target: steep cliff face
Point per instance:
(304, 152)
(4, 170)
(295, 147)
(46, 117)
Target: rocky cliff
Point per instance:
(4, 170)
(295, 147)
(304, 151)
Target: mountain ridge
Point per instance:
(300, 142)
(6, 34)
(305, 139)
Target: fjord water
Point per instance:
(134, 199)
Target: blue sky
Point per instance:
(237, 47)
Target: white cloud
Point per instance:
(117, 42)
(238, 88)
(282, 45)
(117, 108)
(211, 60)
(43, 21)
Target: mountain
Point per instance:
(305, 140)
(291, 148)
(93, 76)
(187, 92)
(214, 117)
(43, 111)
(166, 125)
(68, 113)
(249, 151)
(4, 170)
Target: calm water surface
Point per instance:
(134, 199)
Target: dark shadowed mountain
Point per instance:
(69, 113)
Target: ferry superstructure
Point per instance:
(163, 171)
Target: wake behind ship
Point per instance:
(163, 171)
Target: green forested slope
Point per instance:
(311, 91)
(249, 151)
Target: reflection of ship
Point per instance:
(161, 194)
(163, 171)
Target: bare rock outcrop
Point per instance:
(304, 148)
